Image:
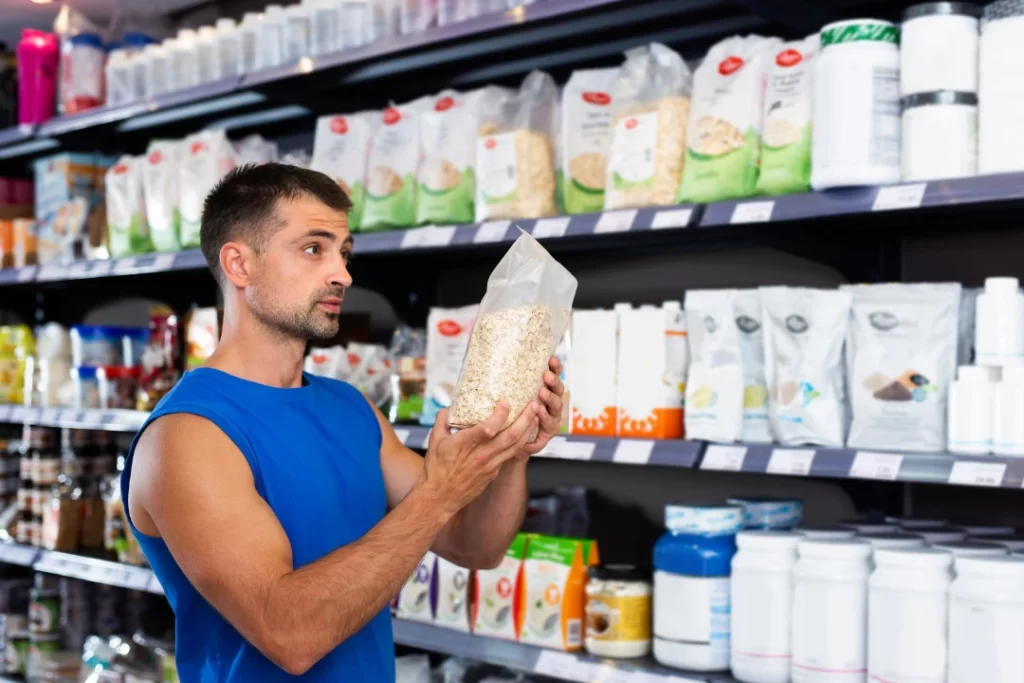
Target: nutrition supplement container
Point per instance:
(915, 523)
(691, 586)
(1007, 409)
(271, 48)
(184, 69)
(249, 41)
(908, 603)
(770, 513)
(970, 411)
(119, 79)
(865, 527)
(158, 70)
(762, 595)
(939, 48)
(296, 33)
(856, 136)
(934, 536)
(972, 549)
(985, 529)
(1000, 89)
(986, 620)
(618, 611)
(940, 135)
(832, 532)
(229, 48)
(353, 26)
(999, 320)
(1014, 544)
(892, 540)
(830, 612)
(325, 31)
(207, 61)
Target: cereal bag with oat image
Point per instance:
(341, 149)
(650, 106)
(395, 155)
(586, 136)
(522, 317)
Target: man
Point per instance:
(278, 510)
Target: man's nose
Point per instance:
(341, 277)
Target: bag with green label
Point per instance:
(341, 148)
(395, 154)
(723, 138)
(160, 182)
(127, 230)
(586, 137)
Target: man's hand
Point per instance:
(460, 466)
(549, 411)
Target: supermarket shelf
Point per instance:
(79, 567)
(74, 418)
(558, 665)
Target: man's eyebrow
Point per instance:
(326, 234)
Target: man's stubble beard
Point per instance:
(312, 324)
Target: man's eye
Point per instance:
(347, 255)
(312, 249)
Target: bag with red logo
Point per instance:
(650, 105)
(395, 154)
(786, 141)
(341, 149)
(723, 137)
(515, 162)
(127, 232)
(207, 156)
(586, 137)
(160, 187)
(448, 331)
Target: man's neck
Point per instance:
(250, 350)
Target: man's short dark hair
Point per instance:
(243, 205)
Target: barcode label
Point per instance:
(884, 147)
(573, 633)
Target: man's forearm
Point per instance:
(481, 532)
(313, 609)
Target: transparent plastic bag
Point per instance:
(522, 317)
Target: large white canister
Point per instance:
(908, 604)
(986, 621)
(856, 137)
(940, 135)
(762, 597)
(1001, 89)
(939, 48)
(830, 612)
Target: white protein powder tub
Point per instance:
(908, 603)
(940, 135)
(986, 620)
(1001, 94)
(856, 136)
(939, 48)
(973, 549)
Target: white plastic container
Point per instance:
(762, 594)
(453, 11)
(354, 23)
(271, 44)
(913, 524)
(986, 621)
(1001, 94)
(1014, 544)
(940, 135)
(383, 19)
(985, 529)
(908, 605)
(866, 527)
(856, 136)
(939, 48)
(119, 79)
(184, 61)
(999, 322)
(1007, 409)
(249, 41)
(207, 62)
(158, 70)
(325, 26)
(825, 532)
(970, 411)
(593, 359)
(296, 33)
(229, 48)
(830, 612)
(894, 541)
(618, 612)
(138, 65)
(936, 536)
(417, 16)
(972, 549)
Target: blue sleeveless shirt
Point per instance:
(314, 452)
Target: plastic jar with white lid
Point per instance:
(934, 536)
(820, 532)
(229, 48)
(184, 70)
(856, 103)
(1007, 407)
(908, 605)
(119, 78)
(762, 596)
(325, 30)
(972, 549)
(986, 620)
(891, 541)
(207, 61)
(296, 33)
(692, 563)
(969, 430)
(940, 135)
(915, 523)
(158, 70)
(271, 44)
(1001, 90)
(249, 41)
(866, 527)
(830, 611)
(770, 513)
(985, 529)
(1014, 544)
(618, 611)
(939, 48)
(999, 320)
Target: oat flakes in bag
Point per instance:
(522, 317)
(395, 155)
(585, 138)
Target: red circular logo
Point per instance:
(197, 147)
(788, 58)
(444, 104)
(339, 125)
(631, 124)
(449, 328)
(120, 169)
(392, 116)
(730, 65)
(155, 157)
(490, 143)
(599, 98)
(504, 587)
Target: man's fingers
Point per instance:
(440, 429)
(489, 428)
(555, 365)
(550, 413)
(520, 429)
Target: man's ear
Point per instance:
(236, 262)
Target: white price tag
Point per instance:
(550, 227)
(155, 587)
(163, 262)
(615, 221)
(633, 451)
(402, 435)
(99, 268)
(123, 264)
(19, 414)
(26, 274)
(138, 579)
(430, 236)
(92, 417)
(724, 458)
(17, 554)
(78, 269)
(491, 231)
(977, 473)
(752, 212)
(560, 447)
(5, 413)
(564, 666)
(899, 197)
(794, 461)
(868, 465)
(50, 272)
(49, 416)
(671, 218)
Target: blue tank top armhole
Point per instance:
(356, 398)
(223, 423)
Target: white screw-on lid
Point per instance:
(272, 11)
(916, 523)
(833, 549)
(672, 305)
(186, 35)
(866, 527)
(933, 536)
(768, 540)
(117, 58)
(251, 17)
(985, 529)
(824, 532)
(619, 307)
(972, 548)
(169, 43)
(225, 24)
(973, 374)
(1014, 543)
(1002, 285)
(990, 566)
(207, 32)
(892, 540)
(913, 557)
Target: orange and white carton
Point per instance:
(594, 356)
(651, 371)
(552, 591)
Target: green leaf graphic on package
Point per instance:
(620, 183)
(909, 386)
(580, 198)
(390, 200)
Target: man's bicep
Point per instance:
(197, 488)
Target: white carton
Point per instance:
(453, 591)
(414, 600)
(593, 359)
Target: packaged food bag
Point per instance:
(723, 137)
(552, 590)
(714, 387)
(395, 154)
(127, 229)
(446, 179)
(522, 318)
(416, 598)
(515, 167)
(160, 182)
(494, 595)
(202, 333)
(786, 119)
(901, 357)
(255, 149)
(207, 156)
(585, 138)
(651, 104)
(453, 591)
(804, 333)
(448, 331)
(747, 311)
(341, 150)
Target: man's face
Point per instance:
(299, 280)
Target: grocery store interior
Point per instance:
(792, 443)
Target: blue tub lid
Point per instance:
(716, 519)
